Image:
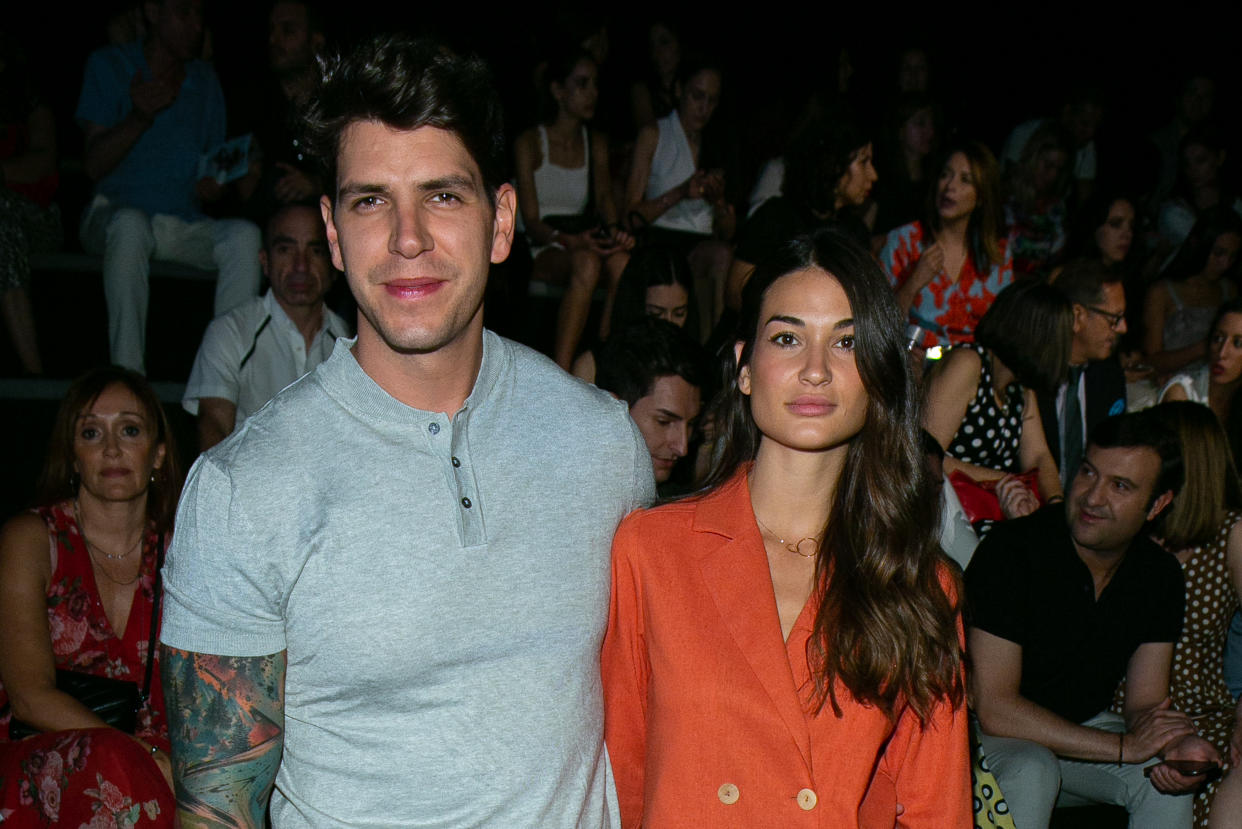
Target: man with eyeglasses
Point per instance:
(1096, 386)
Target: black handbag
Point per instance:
(116, 701)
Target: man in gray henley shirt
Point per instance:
(387, 590)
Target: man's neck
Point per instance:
(1102, 564)
(1077, 357)
(435, 381)
(307, 318)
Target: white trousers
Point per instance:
(129, 239)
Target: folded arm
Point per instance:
(226, 722)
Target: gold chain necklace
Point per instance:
(812, 541)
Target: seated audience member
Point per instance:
(981, 399)
(957, 536)
(1096, 385)
(829, 173)
(947, 268)
(654, 94)
(29, 219)
(660, 372)
(656, 283)
(1203, 530)
(1079, 120)
(565, 195)
(1195, 101)
(1201, 185)
(79, 599)
(150, 110)
(677, 183)
(907, 147)
(252, 352)
(1063, 604)
(272, 108)
(1180, 308)
(1035, 207)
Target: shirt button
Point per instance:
(727, 793)
(465, 502)
(434, 428)
(807, 800)
(456, 463)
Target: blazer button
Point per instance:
(807, 800)
(727, 793)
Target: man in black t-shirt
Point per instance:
(1062, 605)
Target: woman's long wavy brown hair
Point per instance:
(886, 629)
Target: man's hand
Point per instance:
(149, 97)
(1152, 730)
(1191, 747)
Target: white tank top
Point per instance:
(562, 191)
(672, 164)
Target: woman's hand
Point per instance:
(1015, 497)
(1189, 747)
(929, 266)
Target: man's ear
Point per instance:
(263, 262)
(505, 222)
(329, 226)
(1080, 317)
(1158, 506)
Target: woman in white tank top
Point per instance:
(565, 195)
(682, 202)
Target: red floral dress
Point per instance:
(949, 311)
(95, 777)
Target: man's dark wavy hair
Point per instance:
(407, 83)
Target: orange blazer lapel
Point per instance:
(737, 578)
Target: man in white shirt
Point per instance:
(252, 352)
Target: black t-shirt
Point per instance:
(1027, 584)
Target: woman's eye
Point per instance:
(846, 342)
(89, 433)
(131, 431)
(785, 338)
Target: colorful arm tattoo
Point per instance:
(226, 718)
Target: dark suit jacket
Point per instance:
(1105, 385)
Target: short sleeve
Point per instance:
(1169, 606)
(895, 257)
(644, 487)
(223, 593)
(216, 371)
(992, 588)
(105, 95)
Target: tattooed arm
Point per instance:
(226, 718)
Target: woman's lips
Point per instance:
(809, 406)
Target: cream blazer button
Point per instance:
(727, 793)
(807, 800)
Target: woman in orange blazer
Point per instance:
(785, 649)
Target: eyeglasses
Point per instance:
(1114, 320)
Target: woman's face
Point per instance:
(956, 194)
(855, 185)
(1201, 165)
(1114, 237)
(664, 48)
(578, 93)
(114, 446)
(1225, 350)
(698, 99)
(1222, 256)
(918, 133)
(802, 378)
(913, 71)
(670, 303)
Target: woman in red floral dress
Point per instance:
(78, 591)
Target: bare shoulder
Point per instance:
(22, 537)
(960, 367)
(526, 148)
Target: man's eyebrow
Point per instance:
(282, 239)
(1124, 480)
(671, 414)
(449, 182)
(361, 189)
